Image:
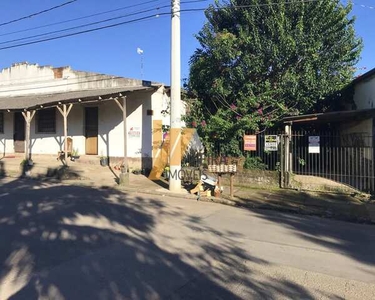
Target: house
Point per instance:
(355, 120)
(338, 145)
(363, 99)
(41, 106)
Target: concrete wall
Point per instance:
(26, 79)
(364, 94)
(360, 134)
(363, 127)
(255, 178)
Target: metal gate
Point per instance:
(344, 158)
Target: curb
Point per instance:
(153, 192)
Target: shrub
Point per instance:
(254, 163)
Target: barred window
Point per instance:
(1, 122)
(46, 120)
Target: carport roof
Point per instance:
(337, 116)
(37, 101)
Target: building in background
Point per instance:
(95, 120)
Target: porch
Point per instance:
(85, 171)
(95, 122)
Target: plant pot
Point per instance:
(104, 162)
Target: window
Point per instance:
(1, 122)
(46, 120)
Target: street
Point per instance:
(76, 242)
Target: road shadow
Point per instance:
(74, 242)
(351, 239)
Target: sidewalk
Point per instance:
(328, 205)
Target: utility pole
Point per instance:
(175, 127)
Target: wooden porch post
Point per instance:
(28, 116)
(65, 112)
(124, 176)
(125, 135)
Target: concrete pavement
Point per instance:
(75, 242)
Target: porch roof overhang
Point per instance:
(332, 117)
(39, 101)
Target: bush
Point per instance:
(254, 163)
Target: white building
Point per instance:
(95, 120)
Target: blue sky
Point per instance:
(114, 51)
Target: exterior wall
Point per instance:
(138, 125)
(52, 143)
(358, 133)
(6, 138)
(28, 79)
(138, 105)
(363, 127)
(364, 95)
(361, 130)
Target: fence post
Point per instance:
(282, 161)
(287, 158)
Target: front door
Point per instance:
(19, 133)
(91, 130)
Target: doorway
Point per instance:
(19, 133)
(91, 130)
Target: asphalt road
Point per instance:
(75, 242)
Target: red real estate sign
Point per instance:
(250, 142)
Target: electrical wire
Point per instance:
(80, 18)
(143, 19)
(38, 13)
(249, 5)
(86, 31)
(84, 25)
(193, 1)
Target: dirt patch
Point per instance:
(315, 183)
(349, 207)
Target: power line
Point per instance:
(84, 25)
(146, 18)
(193, 1)
(38, 13)
(84, 31)
(80, 18)
(249, 5)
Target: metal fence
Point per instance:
(270, 160)
(345, 158)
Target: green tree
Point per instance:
(260, 60)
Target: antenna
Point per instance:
(140, 52)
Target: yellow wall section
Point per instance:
(161, 155)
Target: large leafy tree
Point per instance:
(260, 60)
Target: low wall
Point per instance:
(246, 178)
(255, 178)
